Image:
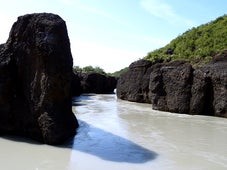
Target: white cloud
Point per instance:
(102, 13)
(165, 11)
(158, 8)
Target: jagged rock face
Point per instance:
(134, 84)
(177, 87)
(209, 90)
(170, 86)
(76, 85)
(97, 83)
(166, 86)
(1, 46)
(35, 80)
(111, 84)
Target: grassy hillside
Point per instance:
(120, 72)
(197, 45)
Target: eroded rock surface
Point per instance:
(134, 84)
(92, 82)
(209, 90)
(170, 86)
(177, 87)
(35, 80)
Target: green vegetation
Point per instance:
(98, 70)
(197, 45)
(89, 69)
(120, 72)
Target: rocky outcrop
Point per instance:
(76, 85)
(209, 90)
(92, 82)
(35, 80)
(170, 86)
(177, 87)
(1, 46)
(133, 85)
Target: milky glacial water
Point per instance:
(122, 135)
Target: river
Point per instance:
(122, 135)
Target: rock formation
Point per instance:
(133, 85)
(1, 46)
(92, 82)
(76, 85)
(35, 80)
(170, 86)
(177, 87)
(209, 90)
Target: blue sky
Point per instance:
(113, 33)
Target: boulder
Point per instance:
(35, 80)
(111, 84)
(209, 90)
(133, 85)
(92, 82)
(76, 85)
(170, 86)
(1, 46)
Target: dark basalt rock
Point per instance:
(76, 85)
(111, 84)
(209, 90)
(166, 85)
(92, 82)
(170, 86)
(35, 80)
(133, 85)
(177, 87)
(1, 46)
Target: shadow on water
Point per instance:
(100, 143)
(76, 101)
(108, 146)
(83, 97)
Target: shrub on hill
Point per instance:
(197, 45)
